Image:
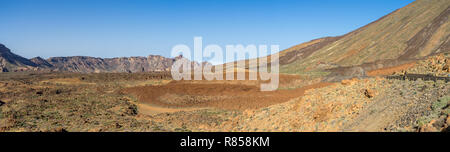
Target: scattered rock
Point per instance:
(446, 68)
(60, 129)
(349, 82)
(2, 103)
(447, 129)
(39, 92)
(132, 110)
(249, 112)
(345, 82)
(58, 91)
(369, 93)
(429, 127)
(440, 122)
(4, 70)
(448, 121)
(438, 65)
(95, 130)
(118, 125)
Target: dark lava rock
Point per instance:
(132, 110)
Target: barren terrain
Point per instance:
(391, 75)
(154, 102)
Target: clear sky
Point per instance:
(116, 28)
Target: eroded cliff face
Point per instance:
(141, 64)
(86, 64)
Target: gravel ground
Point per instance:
(374, 104)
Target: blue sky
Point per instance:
(115, 28)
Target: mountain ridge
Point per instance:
(10, 62)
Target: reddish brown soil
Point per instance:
(390, 70)
(181, 94)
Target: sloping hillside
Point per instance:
(413, 32)
(12, 62)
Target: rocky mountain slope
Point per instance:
(409, 34)
(414, 32)
(42, 62)
(12, 62)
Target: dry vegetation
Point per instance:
(374, 104)
(76, 102)
(153, 102)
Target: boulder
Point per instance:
(369, 93)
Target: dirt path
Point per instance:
(390, 70)
(153, 110)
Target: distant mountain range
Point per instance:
(10, 62)
(411, 33)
